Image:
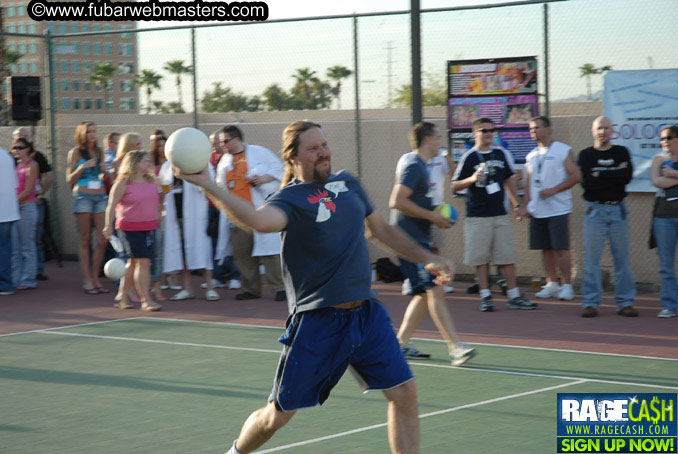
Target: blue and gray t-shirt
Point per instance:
(325, 260)
(413, 173)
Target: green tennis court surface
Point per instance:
(151, 385)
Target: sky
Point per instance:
(249, 58)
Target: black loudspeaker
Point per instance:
(24, 95)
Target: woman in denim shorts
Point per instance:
(85, 173)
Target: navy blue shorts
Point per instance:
(138, 244)
(321, 344)
(420, 279)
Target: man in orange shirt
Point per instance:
(252, 173)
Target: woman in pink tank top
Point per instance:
(25, 258)
(134, 202)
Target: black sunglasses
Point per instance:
(19, 147)
(667, 138)
(483, 130)
(225, 141)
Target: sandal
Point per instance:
(103, 290)
(122, 305)
(150, 307)
(91, 291)
(183, 295)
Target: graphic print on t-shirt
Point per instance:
(326, 205)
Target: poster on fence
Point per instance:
(639, 104)
(504, 90)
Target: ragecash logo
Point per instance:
(617, 423)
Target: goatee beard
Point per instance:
(321, 175)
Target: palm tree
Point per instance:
(337, 73)
(587, 70)
(151, 80)
(102, 75)
(305, 77)
(178, 68)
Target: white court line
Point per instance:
(209, 322)
(562, 350)
(531, 374)
(414, 363)
(422, 416)
(152, 341)
(70, 326)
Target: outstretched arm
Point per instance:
(395, 241)
(266, 219)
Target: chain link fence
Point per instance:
(352, 74)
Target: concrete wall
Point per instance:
(384, 139)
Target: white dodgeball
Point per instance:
(189, 149)
(114, 269)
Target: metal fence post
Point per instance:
(358, 145)
(50, 110)
(547, 103)
(195, 80)
(415, 45)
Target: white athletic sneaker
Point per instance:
(407, 287)
(566, 292)
(448, 288)
(462, 353)
(665, 313)
(233, 284)
(550, 290)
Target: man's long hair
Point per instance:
(290, 145)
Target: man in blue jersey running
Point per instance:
(335, 321)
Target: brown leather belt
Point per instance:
(350, 305)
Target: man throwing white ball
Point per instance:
(323, 219)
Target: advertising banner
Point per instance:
(639, 104)
(617, 423)
(503, 90)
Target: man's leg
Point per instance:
(549, 258)
(248, 266)
(509, 272)
(403, 418)
(273, 272)
(441, 316)
(595, 235)
(260, 427)
(562, 258)
(620, 244)
(483, 279)
(6, 283)
(413, 316)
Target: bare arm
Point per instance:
(397, 242)
(117, 192)
(571, 180)
(658, 179)
(450, 165)
(73, 172)
(460, 185)
(46, 180)
(400, 200)
(266, 219)
(31, 176)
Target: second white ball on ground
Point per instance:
(114, 269)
